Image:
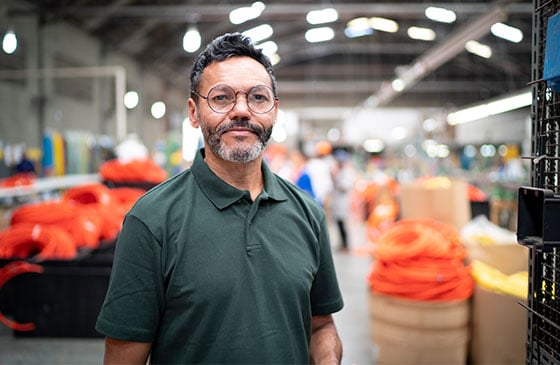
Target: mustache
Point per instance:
(240, 124)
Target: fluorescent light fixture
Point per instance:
(259, 33)
(327, 15)
(383, 24)
(422, 34)
(479, 49)
(373, 145)
(274, 58)
(495, 107)
(268, 47)
(507, 32)
(440, 14)
(9, 42)
(319, 34)
(358, 27)
(191, 40)
(246, 13)
(131, 99)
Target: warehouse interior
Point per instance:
(434, 105)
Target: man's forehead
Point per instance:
(236, 70)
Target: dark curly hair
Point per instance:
(224, 47)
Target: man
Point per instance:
(224, 262)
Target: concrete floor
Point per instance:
(352, 322)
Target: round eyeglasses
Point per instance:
(222, 98)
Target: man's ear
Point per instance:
(193, 115)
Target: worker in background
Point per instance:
(343, 182)
(226, 262)
(25, 165)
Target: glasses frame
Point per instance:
(235, 103)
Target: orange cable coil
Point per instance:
(138, 170)
(422, 260)
(6, 273)
(41, 242)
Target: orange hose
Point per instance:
(6, 273)
(96, 200)
(125, 197)
(19, 179)
(84, 227)
(139, 170)
(41, 242)
(422, 260)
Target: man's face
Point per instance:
(239, 135)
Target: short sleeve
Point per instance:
(134, 299)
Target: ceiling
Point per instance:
(342, 72)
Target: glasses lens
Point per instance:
(221, 98)
(260, 99)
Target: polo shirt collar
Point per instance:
(222, 194)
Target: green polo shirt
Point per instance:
(210, 276)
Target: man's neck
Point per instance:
(243, 176)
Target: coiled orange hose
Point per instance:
(139, 170)
(41, 242)
(96, 200)
(83, 226)
(20, 179)
(422, 260)
(6, 273)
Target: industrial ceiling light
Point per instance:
(495, 107)
(358, 27)
(507, 32)
(192, 40)
(422, 34)
(246, 13)
(322, 34)
(440, 14)
(259, 33)
(479, 49)
(327, 15)
(131, 99)
(383, 24)
(158, 109)
(9, 42)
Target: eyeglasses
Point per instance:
(222, 98)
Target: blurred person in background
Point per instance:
(24, 166)
(343, 182)
(225, 262)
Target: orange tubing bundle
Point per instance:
(420, 260)
(97, 202)
(84, 227)
(20, 179)
(6, 273)
(41, 242)
(144, 170)
(125, 197)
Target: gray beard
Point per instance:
(239, 153)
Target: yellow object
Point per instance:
(491, 278)
(437, 182)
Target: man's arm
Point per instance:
(125, 352)
(326, 347)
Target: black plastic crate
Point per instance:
(62, 301)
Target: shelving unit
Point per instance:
(539, 205)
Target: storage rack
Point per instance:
(539, 205)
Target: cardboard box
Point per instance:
(446, 202)
(499, 329)
(418, 332)
(499, 322)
